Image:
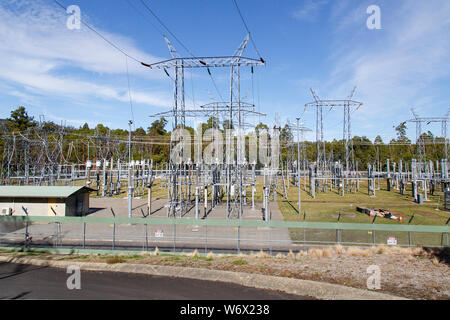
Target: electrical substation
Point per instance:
(223, 176)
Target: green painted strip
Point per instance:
(232, 223)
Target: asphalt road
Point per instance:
(36, 282)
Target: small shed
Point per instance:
(44, 200)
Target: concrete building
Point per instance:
(44, 200)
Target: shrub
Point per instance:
(239, 262)
(115, 259)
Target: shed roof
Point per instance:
(39, 191)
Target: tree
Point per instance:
(286, 135)
(140, 132)
(261, 126)
(20, 120)
(286, 139)
(378, 140)
(212, 122)
(101, 129)
(157, 127)
(401, 133)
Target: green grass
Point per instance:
(327, 206)
(239, 262)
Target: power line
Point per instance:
(246, 27)
(101, 36)
(145, 17)
(165, 27)
(181, 43)
(129, 93)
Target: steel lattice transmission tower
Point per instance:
(233, 109)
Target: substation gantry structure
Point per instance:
(347, 104)
(233, 110)
(420, 141)
(300, 129)
(421, 169)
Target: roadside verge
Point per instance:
(318, 290)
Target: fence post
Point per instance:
(114, 230)
(146, 238)
(270, 240)
(174, 234)
(27, 238)
(446, 234)
(196, 202)
(145, 229)
(409, 232)
(304, 231)
(84, 234)
(206, 238)
(239, 239)
(373, 231)
(338, 231)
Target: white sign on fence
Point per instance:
(159, 234)
(392, 241)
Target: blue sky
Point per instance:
(75, 76)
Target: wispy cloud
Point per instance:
(403, 65)
(309, 10)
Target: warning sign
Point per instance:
(392, 241)
(159, 234)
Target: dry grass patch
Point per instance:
(418, 251)
(381, 249)
(194, 254)
(316, 253)
(326, 252)
(338, 249)
(435, 261)
(291, 254)
(280, 256)
(261, 254)
(355, 251)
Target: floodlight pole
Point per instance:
(298, 165)
(130, 187)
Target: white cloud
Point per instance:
(38, 52)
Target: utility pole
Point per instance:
(130, 169)
(298, 166)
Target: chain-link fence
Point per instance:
(186, 234)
